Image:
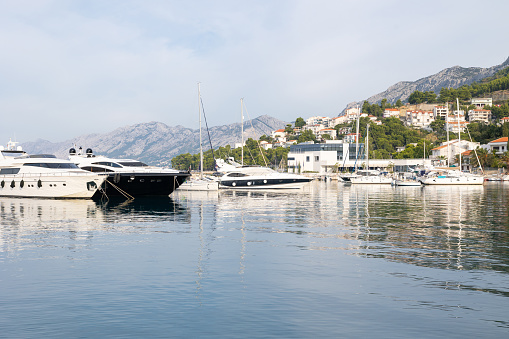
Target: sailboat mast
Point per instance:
(242, 130)
(367, 146)
(447, 129)
(357, 138)
(199, 119)
(459, 130)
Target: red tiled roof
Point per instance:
(503, 139)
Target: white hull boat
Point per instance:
(43, 176)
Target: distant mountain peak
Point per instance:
(453, 77)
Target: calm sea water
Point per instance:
(327, 261)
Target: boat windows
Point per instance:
(133, 164)
(5, 171)
(107, 163)
(52, 165)
(96, 169)
(236, 174)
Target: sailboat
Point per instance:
(370, 176)
(202, 183)
(453, 177)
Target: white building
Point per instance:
(453, 126)
(391, 112)
(499, 145)
(440, 112)
(313, 128)
(337, 121)
(330, 131)
(318, 121)
(481, 102)
(279, 135)
(265, 145)
(421, 119)
(452, 148)
(341, 156)
(483, 115)
(351, 137)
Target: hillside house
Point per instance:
(330, 131)
(482, 115)
(391, 113)
(421, 119)
(440, 112)
(481, 102)
(499, 146)
(279, 135)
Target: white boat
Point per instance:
(43, 176)
(408, 182)
(127, 177)
(201, 183)
(237, 176)
(371, 177)
(452, 177)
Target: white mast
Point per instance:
(367, 147)
(242, 130)
(447, 129)
(199, 119)
(357, 138)
(459, 130)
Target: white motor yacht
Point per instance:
(43, 176)
(127, 177)
(256, 177)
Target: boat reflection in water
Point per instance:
(20, 217)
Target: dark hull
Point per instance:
(264, 183)
(141, 184)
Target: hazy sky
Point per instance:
(69, 68)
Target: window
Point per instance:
(317, 158)
(95, 169)
(4, 171)
(107, 163)
(307, 159)
(133, 164)
(51, 165)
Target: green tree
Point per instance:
(299, 122)
(306, 135)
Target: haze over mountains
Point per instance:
(156, 143)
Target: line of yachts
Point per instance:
(86, 175)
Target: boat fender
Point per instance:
(2, 184)
(22, 183)
(116, 178)
(13, 184)
(39, 183)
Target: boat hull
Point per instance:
(265, 183)
(59, 186)
(199, 185)
(142, 184)
(373, 180)
(454, 181)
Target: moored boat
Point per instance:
(127, 177)
(43, 176)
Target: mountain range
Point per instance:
(157, 143)
(452, 77)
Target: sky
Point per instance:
(69, 68)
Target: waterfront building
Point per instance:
(337, 155)
(452, 148)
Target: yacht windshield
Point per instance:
(133, 164)
(107, 163)
(52, 165)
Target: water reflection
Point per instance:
(23, 220)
